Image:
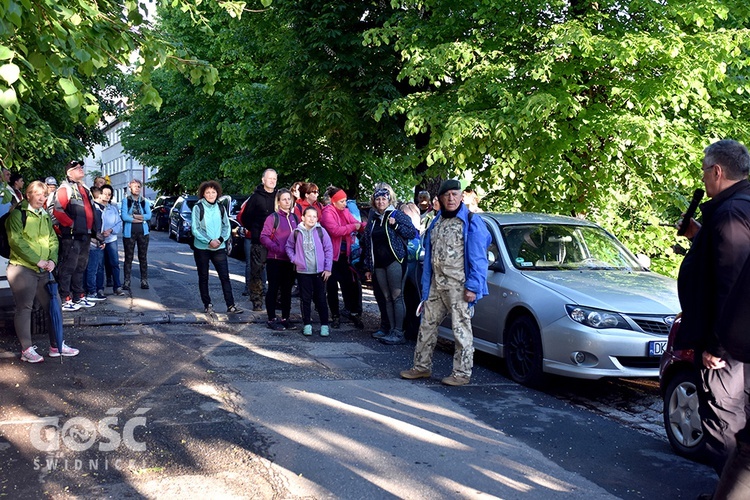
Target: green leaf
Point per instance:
(68, 86)
(10, 73)
(8, 98)
(6, 53)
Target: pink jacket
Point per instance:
(340, 224)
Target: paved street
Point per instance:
(166, 402)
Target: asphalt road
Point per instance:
(223, 407)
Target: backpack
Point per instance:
(320, 234)
(277, 220)
(4, 242)
(202, 211)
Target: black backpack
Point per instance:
(4, 243)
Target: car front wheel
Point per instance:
(523, 352)
(681, 418)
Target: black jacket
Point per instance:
(714, 279)
(259, 206)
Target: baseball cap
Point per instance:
(50, 181)
(73, 164)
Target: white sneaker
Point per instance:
(69, 305)
(54, 352)
(85, 303)
(30, 355)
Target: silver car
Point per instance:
(567, 298)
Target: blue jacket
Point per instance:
(126, 212)
(398, 234)
(477, 240)
(213, 226)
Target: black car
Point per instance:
(238, 241)
(160, 213)
(180, 218)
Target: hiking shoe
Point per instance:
(396, 337)
(357, 320)
(30, 355)
(144, 284)
(379, 334)
(287, 324)
(66, 350)
(414, 373)
(100, 295)
(307, 330)
(93, 297)
(233, 309)
(126, 285)
(118, 292)
(85, 303)
(335, 322)
(276, 325)
(455, 380)
(209, 309)
(69, 305)
(324, 331)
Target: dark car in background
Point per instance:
(160, 213)
(180, 218)
(679, 382)
(238, 241)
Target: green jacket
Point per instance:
(34, 242)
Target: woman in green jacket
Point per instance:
(33, 255)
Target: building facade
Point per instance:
(113, 162)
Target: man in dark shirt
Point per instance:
(713, 286)
(259, 206)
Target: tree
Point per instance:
(57, 58)
(297, 92)
(598, 109)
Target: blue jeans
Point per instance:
(112, 259)
(94, 282)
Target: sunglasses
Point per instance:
(312, 192)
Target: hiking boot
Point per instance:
(69, 305)
(233, 309)
(396, 337)
(118, 292)
(335, 322)
(307, 330)
(209, 309)
(144, 284)
(66, 350)
(126, 285)
(379, 334)
(455, 380)
(357, 320)
(30, 355)
(287, 324)
(324, 331)
(414, 373)
(93, 297)
(276, 325)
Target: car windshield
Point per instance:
(187, 207)
(560, 246)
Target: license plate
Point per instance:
(657, 347)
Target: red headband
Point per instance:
(340, 195)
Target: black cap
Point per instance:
(73, 164)
(449, 185)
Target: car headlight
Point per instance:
(596, 318)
